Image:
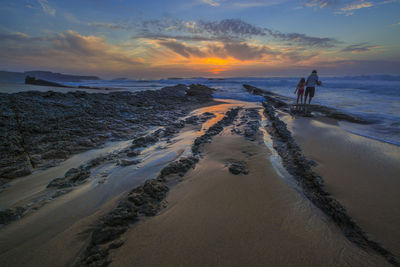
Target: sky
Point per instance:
(208, 38)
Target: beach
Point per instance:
(361, 173)
(217, 218)
(209, 182)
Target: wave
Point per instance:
(382, 77)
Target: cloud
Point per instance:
(71, 18)
(346, 7)
(18, 37)
(249, 4)
(243, 51)
(46, 7)
(240, 51)
(226, 30)
(242, 3)
(182, 49)
(189, 38)
(214, 3)
(230, 27)
(302, 39)
(355, 6)
(64, 50)
(360, 48)
(349, 8)
(110, 26)
(321, 3)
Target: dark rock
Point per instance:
(237, 167)
(34, 81)
(200, 91)
(40, 129)
(4, 181)
(179, 167)
(144, 141)
(116, 244)
(145, 200)
(72, 177)
(106, 234)
(12, 214)
(125, 213)
(283, 103)
(253, 90)
(250, 123)
(126, 162)
(214, 130)
(192, 120)
(133, 153)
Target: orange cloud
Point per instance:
(71, 51)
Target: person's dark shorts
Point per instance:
(310, 91)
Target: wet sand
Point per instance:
(216, 218)
(361, 173)
(54, 235)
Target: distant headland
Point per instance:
(19, 77)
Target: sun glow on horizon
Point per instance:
(231, 42)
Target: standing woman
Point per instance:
(300, 90)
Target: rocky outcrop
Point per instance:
(195, 120)
(34, 81)
(229, 117)
(145, 200)
(200, 91)
(41, 129)
(284, 103)
(18, 77)
(71, 178)
(237, 167)
(179, 167)
(249, 124)
(12, 214)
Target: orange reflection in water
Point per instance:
(219, 112)
(217, 71)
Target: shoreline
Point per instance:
(348, 121)
(311, 180)
(42, 129)
(217, 216)
(228, 146)
(313, 186)
(143, 201)
(107, 184)
(360, 172)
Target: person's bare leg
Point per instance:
(309, 100)
(298, 95)
(301, 98)
(305, 99)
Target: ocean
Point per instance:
(375, 98)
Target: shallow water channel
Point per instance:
(55, 232)
(48, 233)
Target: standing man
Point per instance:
(312, 81)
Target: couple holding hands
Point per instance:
(310, 84)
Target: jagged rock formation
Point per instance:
(284, 103)
(34, 81)
(41, 129)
